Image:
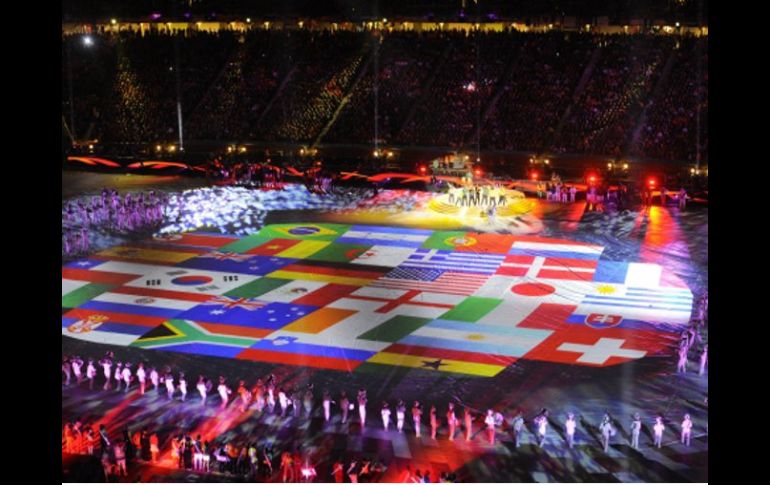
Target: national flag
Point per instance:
(476, 337)
(226, 256)
(319, 232)
(579, 344)
(342, 273)
(246, 244)
(319, 320)
(554, 248)
(246, 313)
(292, 290)
(442, 360)
(226, 302)
(472, 242)
(432, 280)
(195, 239)
(662, 304)
(189, 337)
(75, 293)
(402, 302)
(108, 327)
(385, 236)
(394, 329)
(138, 305)
(147, 255)
(458, 262)
(117, 267)
(326, 295)
(547, 267)
(192, 280)
(303, 249)
(251, 265)
(471, 309)
(390, 256)
(94, 276)
(290, 350)
(339, 252)
(258, 287)
(273, 247)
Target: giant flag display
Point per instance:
(341, 297)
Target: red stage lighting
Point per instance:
(534, 175)
(422, 169)
(651, 182)
(478, 173)
(592, 179)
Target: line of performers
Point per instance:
(472, 196)
(265, 395)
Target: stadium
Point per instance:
(342, 241)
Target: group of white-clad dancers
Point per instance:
(473, 196)
(266, 395)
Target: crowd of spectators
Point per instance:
(611, 95)
(671, 128)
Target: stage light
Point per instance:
(651, 182)
(113, 21)
(546, 161)
(422, 169)
(692, 171)
(243, 150)
(534, 175)
(478, 173)
(171, 148)
(592, 179)
(158, 148)
(88, 41)
(248, 20)
(625, 166)
(609, 165)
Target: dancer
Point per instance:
(658, 429)
(327, 403)
(433, 422)
(91, 374)
(490, 422)
(201, 387)
(681, 366)
(686, 430)
(451, 421)
(169, 381)
(385, 413)
(154, 378)
(141, 376)
(703, 360)
(400, 413)
(607, 431)
(283, 401)
(183, 386)
(570, 426)
(542, 426)
(468, 417)
(118, 375)
(636, 429)
(416, 417)
(362, 407)
(127, 377)
(224, 392)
